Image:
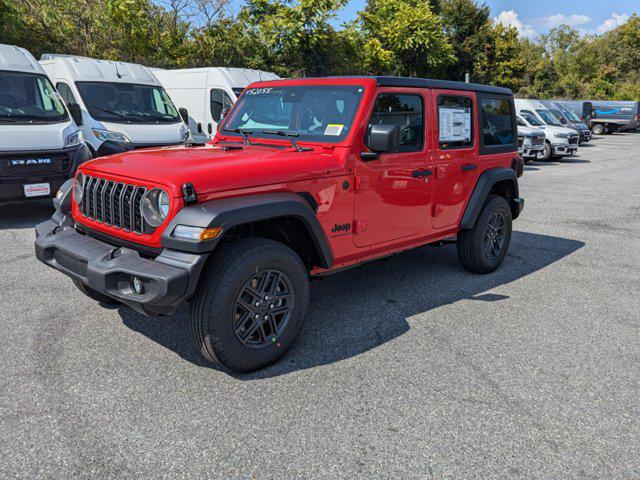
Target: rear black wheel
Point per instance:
(482, 248)
(597, 129)
(250, 304)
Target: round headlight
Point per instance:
(78, 188)
(155, 207)
(163, 204)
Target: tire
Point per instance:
(473, 252)
(101, 298)
(222, 312)
(548, 151)
(597, 129)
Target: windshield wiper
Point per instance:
(119, 114)
(289, 136)
(243, 133)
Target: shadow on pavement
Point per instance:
(25, 215)
(357, 310)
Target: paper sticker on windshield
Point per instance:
(333, 129)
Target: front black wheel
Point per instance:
(548, 151)
(597, 129)
(250, 304)
(482, 248)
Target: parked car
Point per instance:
(533, 141)
(122, 105)
(40, 145)
(560, 141)
(568, 119)
(610, 116)
(582, 109)
(206, 94)
(304, 177)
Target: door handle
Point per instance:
(421, 173)
(469, 167)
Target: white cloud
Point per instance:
(560, 19)
(615, 20)
(510, 18)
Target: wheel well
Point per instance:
(506, 189)
(290, 231)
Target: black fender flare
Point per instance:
(485, 183)
(231, 212)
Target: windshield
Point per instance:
(311, 113)
(559, 115)
(549, 118)
(533, 121)
(127, 102)
(29, 98)
(572, 116)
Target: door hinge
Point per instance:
(359, 226)
(437, 210)
(361, 184)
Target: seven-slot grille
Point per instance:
(114, 203)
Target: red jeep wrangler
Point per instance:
(305, 177)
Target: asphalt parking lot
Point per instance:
(407, 368)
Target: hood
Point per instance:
(153, 133)
(530, 132)
(548, 129)
(35, 136)
(210, 168)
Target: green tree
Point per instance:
(403, 37)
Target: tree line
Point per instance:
(427, 38)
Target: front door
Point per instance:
(393, 191)
(456, 167)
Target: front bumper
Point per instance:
(12, 186)
(564, 148)
(533, 151)
(169, 280)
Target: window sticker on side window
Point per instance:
(455, 124)
(333, 129)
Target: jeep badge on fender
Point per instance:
(268, 209)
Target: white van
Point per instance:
(560, 141)
(206, 94)
(123, 105)
(40, 145)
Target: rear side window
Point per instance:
(497, 127)
(455, 125)
(65, 92)
(407, 112)
(220, 101)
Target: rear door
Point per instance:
(393, 191)
(456, 155)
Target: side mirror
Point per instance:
(76, 113)
(184, 114)
(383, 138)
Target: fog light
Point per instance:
(137, 285)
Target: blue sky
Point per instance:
(533, 17)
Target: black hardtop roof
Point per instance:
(441, 84)
(411, 82)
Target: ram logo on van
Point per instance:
(31, 161)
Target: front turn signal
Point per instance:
(197, 234)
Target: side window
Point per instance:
(407, 112)
(220, 100)
(496, 122)
(65, 92)
(455, 126)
